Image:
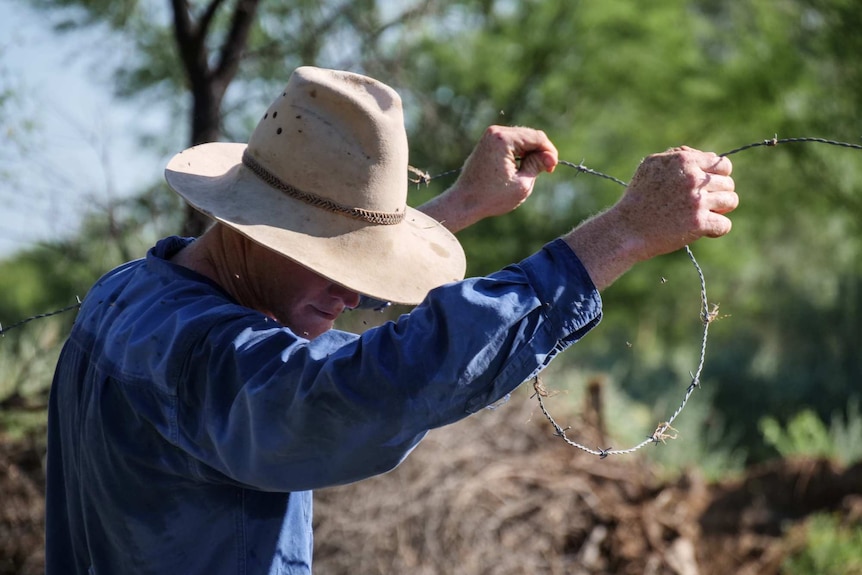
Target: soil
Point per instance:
(497, 494)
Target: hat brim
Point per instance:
(398, 263)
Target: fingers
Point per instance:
(721, 197)
(678, 196)
(717, 226)
(709, 162)
(500, 172)
(535, 144)
(534, 148)
(713, 163)
(537, 162)
(716, 183)
(721, 202)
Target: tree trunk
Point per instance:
(209, 81)
(206, 122)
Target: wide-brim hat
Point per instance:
(323, 181)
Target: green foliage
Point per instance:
(14, 127)
(27, 361)
(806, 434)
(50, 275)
(831, 548)
(285, 34)
(610, 83)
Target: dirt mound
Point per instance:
(497, 494)
(23, 507)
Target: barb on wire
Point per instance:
(423, 177)
(3, 330)
(585, 170)
(775, 140)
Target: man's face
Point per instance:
(300, 299)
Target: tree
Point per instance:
(613, 82)
(609, 82)
(197, 50)
(208, 74)
(13, 127)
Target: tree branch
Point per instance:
(235, 42)
(188, 39)
(206, 20)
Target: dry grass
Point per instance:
(498, 495)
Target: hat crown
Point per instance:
(337, 138)
(323, 181)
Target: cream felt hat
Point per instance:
(323, 181)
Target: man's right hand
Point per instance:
(674, 198)
(497, 177)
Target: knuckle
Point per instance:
(691, 179)
(731, 184)
(496, 131)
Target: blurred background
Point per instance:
(96, 96)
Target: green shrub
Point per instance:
(831, 548)
(807, 434)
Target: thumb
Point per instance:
(535, 163)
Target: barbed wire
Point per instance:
(664, 430)
(775, 140)
(585, 170)
(3, 330)
(660, 434)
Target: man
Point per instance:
(203, 392)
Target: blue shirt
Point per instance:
(186, 432)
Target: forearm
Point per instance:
(603, 247)
(453, 209)
(599, 242)
(674, 198)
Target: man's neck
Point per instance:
(222, 256)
